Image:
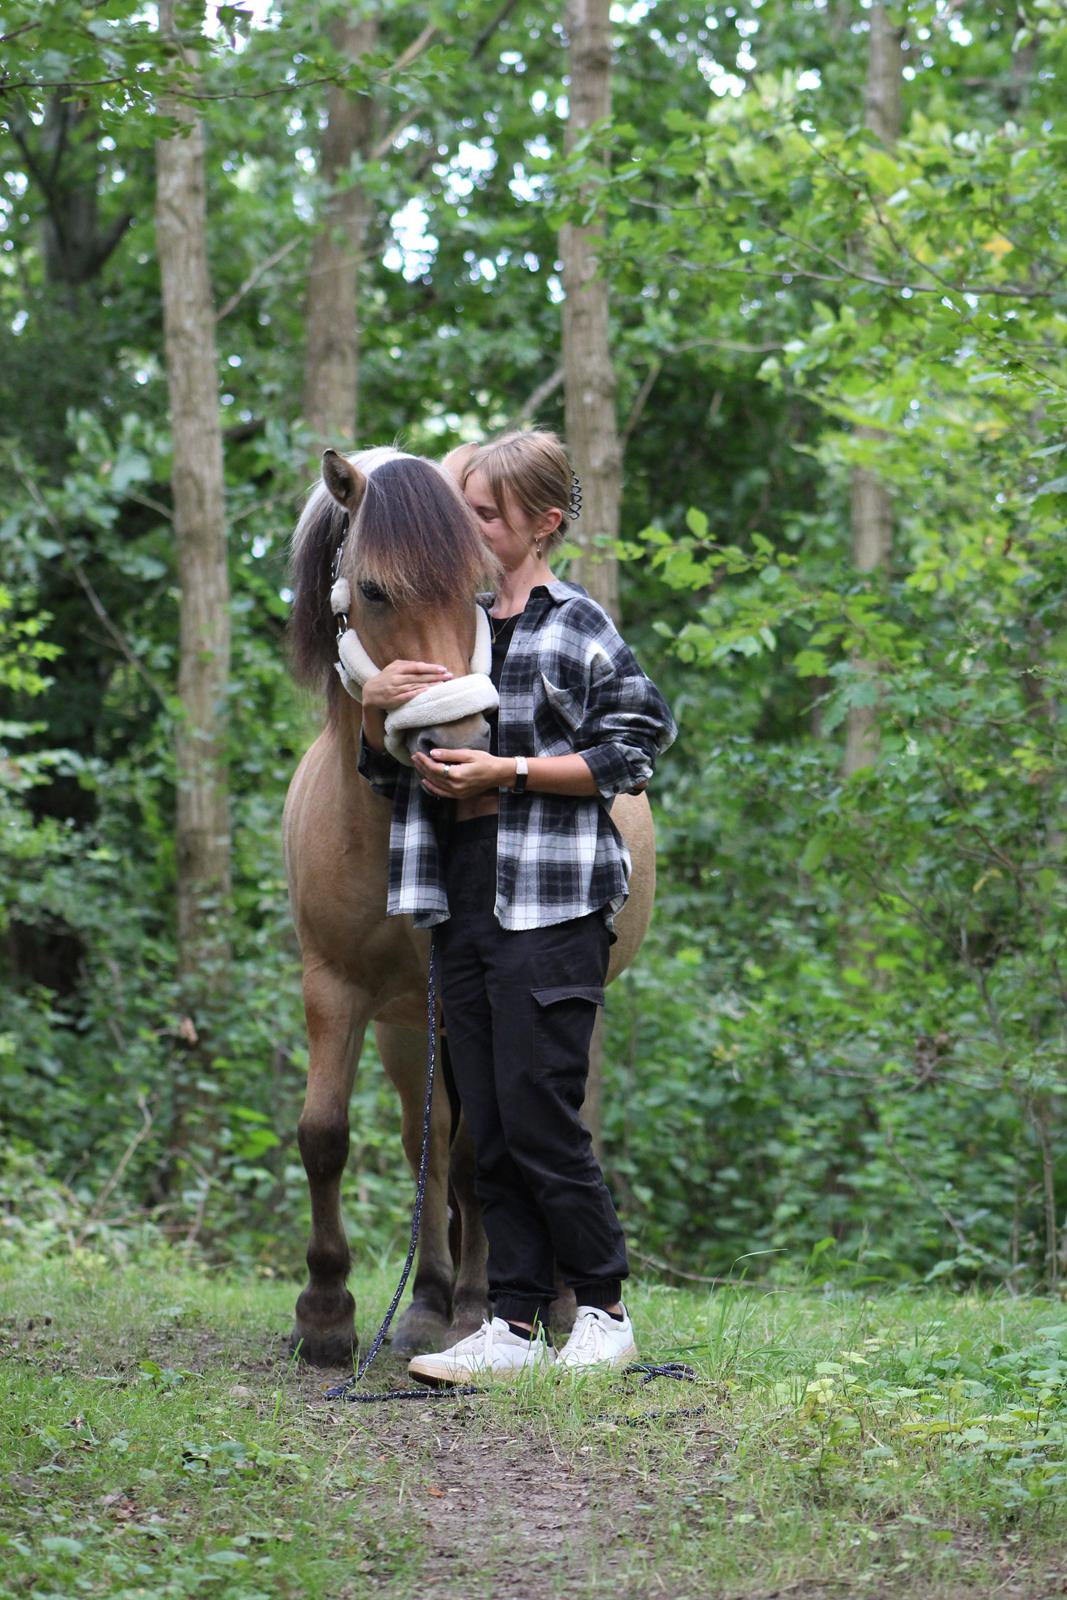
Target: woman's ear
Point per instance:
(548, 522)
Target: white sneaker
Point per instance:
(493, 1352)
(598, 1340)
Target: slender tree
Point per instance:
(871, 507)
(331, 362)
(588, 373)
(61, 156)
(203, 820)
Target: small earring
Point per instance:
(537, 549)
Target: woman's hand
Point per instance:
(461, 774)
(400, 682)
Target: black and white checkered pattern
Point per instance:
(569, 683)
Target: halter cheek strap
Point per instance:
(443, 702)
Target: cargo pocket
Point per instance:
(563, 1027)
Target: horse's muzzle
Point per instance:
(468, 733)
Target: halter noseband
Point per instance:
(443, 702)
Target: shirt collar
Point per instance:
(557, 593)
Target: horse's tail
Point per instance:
(312, 629)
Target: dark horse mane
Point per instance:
(414, 536)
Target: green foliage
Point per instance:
(849, 1021)
(867, 1034)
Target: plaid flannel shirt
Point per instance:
(569, 683)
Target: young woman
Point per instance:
(534, 871)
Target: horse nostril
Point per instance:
(425, 742)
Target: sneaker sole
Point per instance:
(434, 1380)
(438, 1379)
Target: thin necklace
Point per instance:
(503, 623)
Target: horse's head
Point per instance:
(413, 560)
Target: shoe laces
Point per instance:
(482, 1338)
(589, 1336)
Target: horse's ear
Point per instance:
(345, 482)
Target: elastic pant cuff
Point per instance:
(603, 1292)
(519, 1308)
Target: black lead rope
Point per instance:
(668, 1369)
(348, 1389)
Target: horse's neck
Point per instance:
(351, 816)
(336, 833)
(346, 720)
(357, 794)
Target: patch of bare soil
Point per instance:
(1020, 1574)
(503, 1510)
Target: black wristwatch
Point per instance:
(522, 768)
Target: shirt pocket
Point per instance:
(568, 706)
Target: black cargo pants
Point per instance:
(519, 1008)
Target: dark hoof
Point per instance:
(467, 1319)
(419, 1330)
(324, 1334)
(337, 1349)
(561, 1313)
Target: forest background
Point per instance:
(832, 235)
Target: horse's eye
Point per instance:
(374, 593)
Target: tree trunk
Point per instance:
(588, 374)
(331, 360)
(203, 823)
(871, 507)
(61, 158)
(885, 62)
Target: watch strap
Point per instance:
(522, 768)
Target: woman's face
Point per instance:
(509, 533)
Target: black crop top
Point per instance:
(503, 629)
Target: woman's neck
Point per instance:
(513, 590)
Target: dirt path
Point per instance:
(557, 1493)
(507, 1509)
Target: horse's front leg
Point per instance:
(424, 1325)
(336, 1012)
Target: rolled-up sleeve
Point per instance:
(626, 722)
(381, 770)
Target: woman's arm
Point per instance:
(460, 774)
(394, 686)
(374, 727)
(620, 722)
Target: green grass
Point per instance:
(155, 1441)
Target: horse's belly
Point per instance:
(633, 818)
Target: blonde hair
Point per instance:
(527, 468)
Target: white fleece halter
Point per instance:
(443, 702)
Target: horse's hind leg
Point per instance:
(336, 1012)
(424, 1325)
